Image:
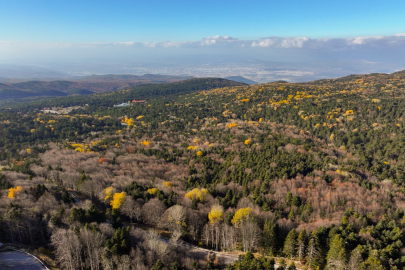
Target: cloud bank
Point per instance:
(265, 59)
(227, 41)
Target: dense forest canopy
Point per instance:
(304, 176)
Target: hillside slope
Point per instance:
(313, 172)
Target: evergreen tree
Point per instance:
(302, 244)
(313, 251)
(372, 262)
(120, 243)
(270, 237)
(158, 265)
(290, 244)
(356, 258)
(337, 256)
(291, 215)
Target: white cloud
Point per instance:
(267, 42)
(362, 40)
(218, 37)
(150, 44)
(297, 42)
(217, 41)
(208, 42)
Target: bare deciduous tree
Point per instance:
(155, 243)
(131, 208)
(93, 243)
(152, 211)
(68, 249)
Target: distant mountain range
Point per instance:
(80, 86)
(18, 88)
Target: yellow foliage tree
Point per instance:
(145, 143)
(191, 147)
(108, 192)
(117, 200)
(199, 153)
(13, 191)
(130, 122)
(231, 125)
(247, 142)
(167, 184)
(28, 151)
(349, 112)
(216, 215)
(197, 194)
(152, 191)
(241, 215)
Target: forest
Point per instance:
(210, 174)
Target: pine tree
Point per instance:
(313, 251)
(337, 255)
(302, 244)
(158, 265)
(288, 199)
(356, 258)
(270, 233)
(372, 262)
(291, 215)
(290, 244)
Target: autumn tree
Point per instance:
(216, 215)
(117, 200)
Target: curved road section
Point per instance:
(14, 260)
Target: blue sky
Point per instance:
(174, 20)
(246, 38)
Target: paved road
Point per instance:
(14, 260)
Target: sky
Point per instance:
(118, 36)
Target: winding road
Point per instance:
(224, 257)
(15, 260)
